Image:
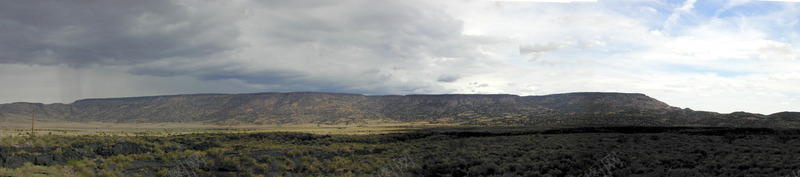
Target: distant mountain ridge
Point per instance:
(584, 108)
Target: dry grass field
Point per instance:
(20, 127)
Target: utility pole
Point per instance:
(33, 117)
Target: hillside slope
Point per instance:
(589, 108)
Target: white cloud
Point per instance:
(558, 1)
(773, 50)
(536, 48)
(785, 76)
(684, 9)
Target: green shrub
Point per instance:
(109, 173)
(28, 169)
(142, 157)
(58, 151)
(163, 172)
(83, 168)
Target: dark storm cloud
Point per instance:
(271, 76)
(292, 45)
(391, 30)
(79, 33)
(448, 78)
(332, 43)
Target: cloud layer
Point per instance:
(708, 55)
(81, 33)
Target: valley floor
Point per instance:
(49, 127)
(432, 151)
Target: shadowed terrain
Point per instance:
(591, 108)
(443, 151)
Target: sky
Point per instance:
(710, 55)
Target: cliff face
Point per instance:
(334, 108)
